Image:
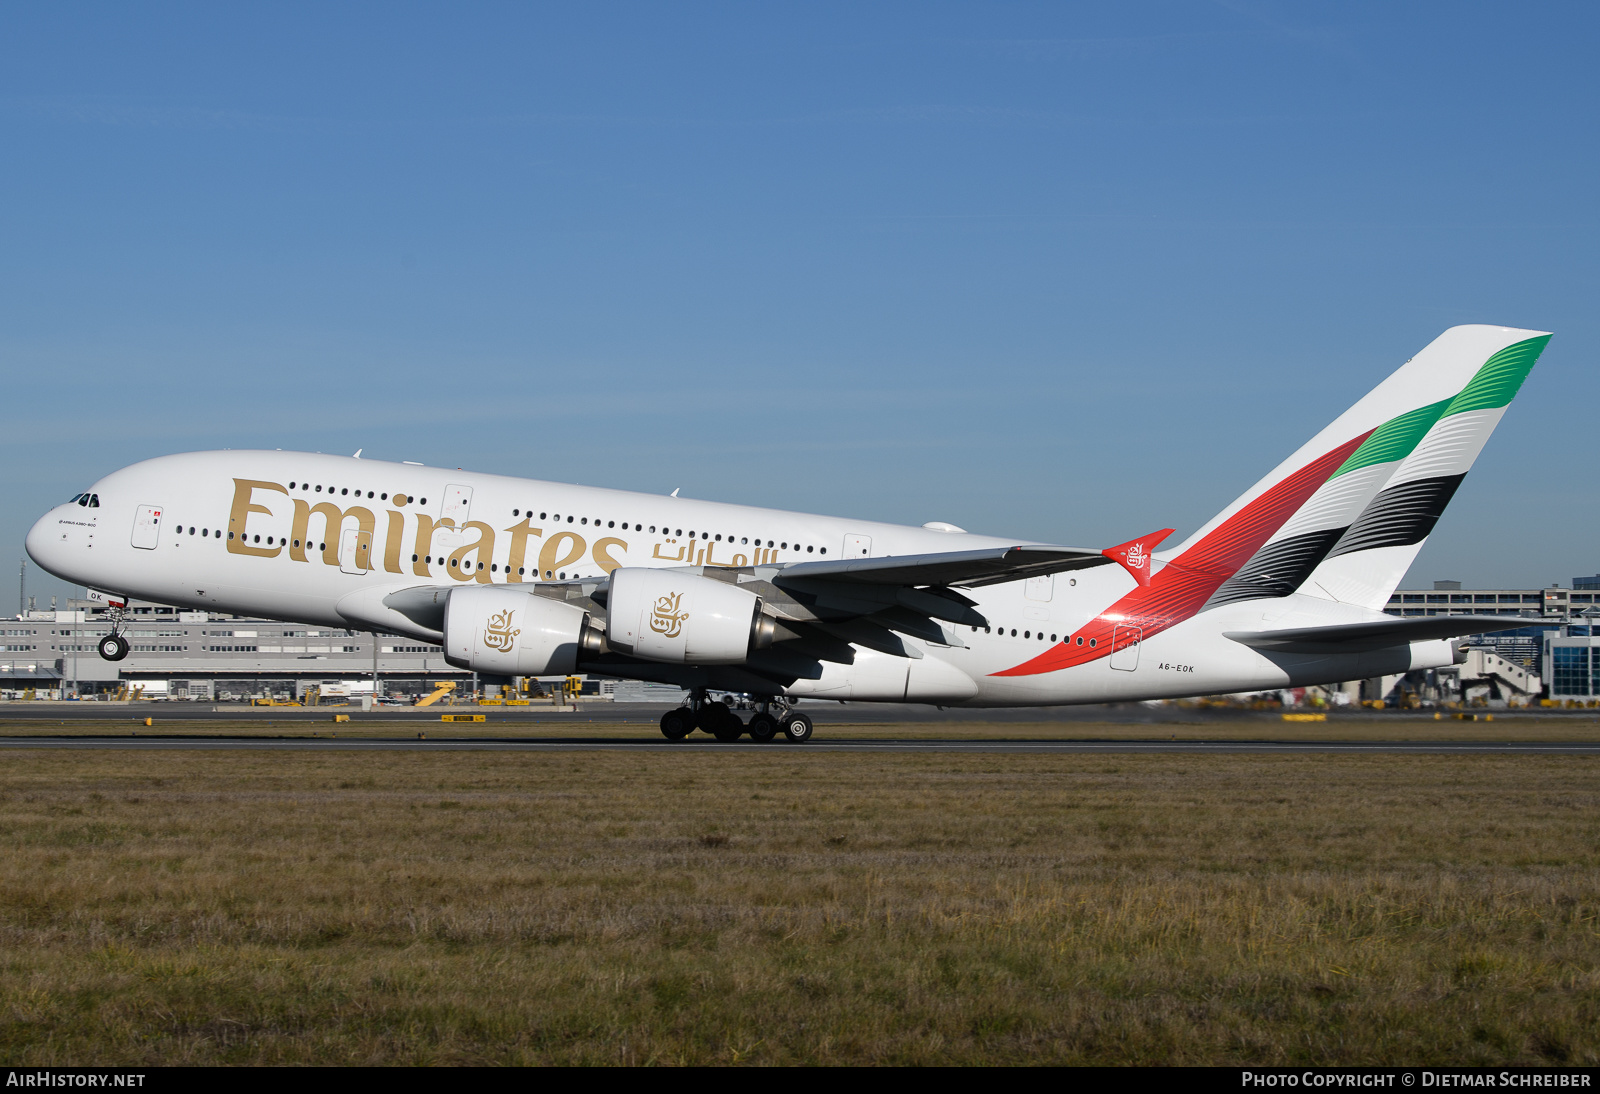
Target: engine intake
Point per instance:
(495, 629)
(683, 619)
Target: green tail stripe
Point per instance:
(1501, 376)
(1494, 385)
(1394, 439)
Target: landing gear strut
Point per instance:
(776, 717)
(114, 647)
(697, 713)
(773, 717)
(763, 727)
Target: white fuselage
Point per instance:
(242, 532)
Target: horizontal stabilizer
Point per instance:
(967, 569)
(1379, 634)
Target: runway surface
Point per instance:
(645, 744)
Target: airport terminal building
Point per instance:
(206, 655)
(1558, 644)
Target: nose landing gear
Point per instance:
(114, 647)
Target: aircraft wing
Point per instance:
(825, 607)
(1356, 637)
(963, 569)
(873, 602)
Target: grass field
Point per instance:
(779, 906)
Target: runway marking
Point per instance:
(918, 746)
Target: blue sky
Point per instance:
(1065, 272)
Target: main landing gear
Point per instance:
(114, 647)
(773, 717)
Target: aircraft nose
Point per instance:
(43, 542)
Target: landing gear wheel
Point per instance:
(797, 729)
(113, 647)
(712, 717)
(763, 727)
(719, 721)
(677, 724)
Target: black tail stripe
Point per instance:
(1278, 569)
(1399, 516)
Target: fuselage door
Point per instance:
(147, 526)
(857, 546)
(355, 551)
(1125, 641)
(1040, 588)
(457, 504)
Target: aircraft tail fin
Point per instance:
(1345, 515)
(1371, 555)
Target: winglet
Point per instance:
(1134, 556)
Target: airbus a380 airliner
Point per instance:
(517, 577)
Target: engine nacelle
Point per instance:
(500, 629)
(683, 619)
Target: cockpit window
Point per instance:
(83, 499)
(94, 501)
(77, 498)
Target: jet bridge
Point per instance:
(1491, 676)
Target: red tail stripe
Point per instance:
(1177, 591)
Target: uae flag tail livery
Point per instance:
(516, 577)
(1339, 522)
(1135, 555)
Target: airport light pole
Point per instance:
(72, 617)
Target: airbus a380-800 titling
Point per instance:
(517, 577)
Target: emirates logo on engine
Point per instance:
(497, 632)
(666, 620)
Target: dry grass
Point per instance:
(779, 906)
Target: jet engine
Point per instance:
(684, 619)
(499, 629)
